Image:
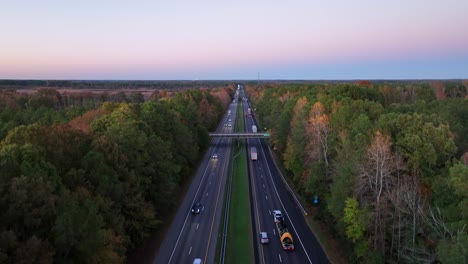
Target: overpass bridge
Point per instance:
(240, 135)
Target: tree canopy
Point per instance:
(386, 158)
(88, 182)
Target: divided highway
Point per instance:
(194, 236)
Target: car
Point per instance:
(229, 120)
(215, 156)
(277, 215)
(196, 208)
(197, 261)
(229, 125)
(264, 238)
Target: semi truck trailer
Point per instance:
(254, 129)
(285, 237)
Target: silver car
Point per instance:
(264, 238)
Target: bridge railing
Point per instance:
(240, 135)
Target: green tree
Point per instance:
(423, 140)
(34, 250)
(77, 230)
(294, 155)
(356, 220)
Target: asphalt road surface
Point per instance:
(196, 235)
(269, 192)
(190, 235)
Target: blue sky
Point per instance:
(209, 39)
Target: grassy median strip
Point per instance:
(239, 241)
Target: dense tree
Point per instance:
(86, 177)
(93, 189)
(389, 147)
(356, 220)
(423, 140)
(294, 155)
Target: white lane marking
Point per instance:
(285, 211)
(197, 226)
(263, 186)
(274, 232)
(280, 258)
(206, 193)
(188, 213)
(269, 211)
(190, 251)
(266, 196)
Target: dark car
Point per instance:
(196, 208)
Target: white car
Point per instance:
(215, 156)
(197, 261)
(277, 215)
(264, 238)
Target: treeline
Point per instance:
(46, 106)
(96, 84)
(88, 185)
(387, 161)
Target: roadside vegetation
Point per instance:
(239, 248)
(387, 160)
(84, 179)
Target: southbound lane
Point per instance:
(270, 193)
(190, 235)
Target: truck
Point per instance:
(285, 237)
(253, 153)
(254, 129)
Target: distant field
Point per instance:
(145, 92)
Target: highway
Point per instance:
(193, 236)
(190, 235)
(269, 193)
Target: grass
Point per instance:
(239, 247)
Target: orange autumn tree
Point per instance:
(318, 130)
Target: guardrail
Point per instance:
(240, 135)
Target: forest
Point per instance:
(388, 161)
(87, 178)
(110, 85)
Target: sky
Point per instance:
(233, 40)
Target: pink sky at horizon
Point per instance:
(58, 40)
